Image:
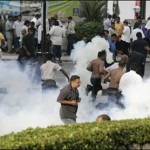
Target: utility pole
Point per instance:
(43, 50)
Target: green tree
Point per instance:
(94, 10)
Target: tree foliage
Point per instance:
(89, 29)
(94, 10)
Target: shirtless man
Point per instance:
(114, 77)
(96, 66)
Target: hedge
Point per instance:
(90, 29)
(112, 135)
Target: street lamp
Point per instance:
(137, 10)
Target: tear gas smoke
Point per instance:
(83, 53)
(135, 98)
(24, 105)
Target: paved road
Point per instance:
(68, 65)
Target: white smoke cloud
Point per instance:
(24, 105)
(136, 99)
(83, 53)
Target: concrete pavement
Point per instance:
(14, 56)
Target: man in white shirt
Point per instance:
(107, 23)
(56, 33)
(35, 19)
(9, 33)
(48, 71)
(17, 31)
(125, 39)
(135, 31)
(111, 30)
(70, 26)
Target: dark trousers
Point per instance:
(114, 97)
(48, 84)
(56, 51)
(16, 43)
(124, 46)
(71, 41)
(141, 69)
(96, 82)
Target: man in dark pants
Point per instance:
(114, 76)
(70, 34)
(141, 46)
(69, 99)
(96, 66)
(125, 39)
(28, 46)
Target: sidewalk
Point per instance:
(14, 56)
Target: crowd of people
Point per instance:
(132, 44)
(16, 36)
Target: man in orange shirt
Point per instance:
(2, 39)
(118, 27)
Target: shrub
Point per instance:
(90, 29)
(104, 135)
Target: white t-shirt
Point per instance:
(48, 70)
(134, 32)
(17, 26)
(107, 24)
(56, 33)
(126, 34)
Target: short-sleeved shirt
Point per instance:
(107, 24)
(17, 26)
(8, 27)
(112, 47)
(68, 94)
(119, 28)
(48, 70)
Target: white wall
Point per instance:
(126, 9)
(147, 9)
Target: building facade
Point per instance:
(127, 9)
